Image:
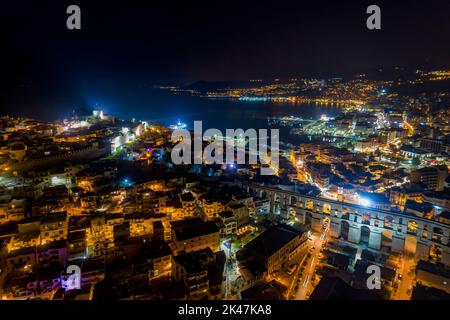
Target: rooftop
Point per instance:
(187, 196)
(272, 240)
(266, 291)
(157, 249)
(424, 207)
(195, 261)
(334, 288)
(437, 269)
(54, 217)
(196, 230)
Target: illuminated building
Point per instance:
(201, 273)
(141, 224)
(211, 206)
(441, 200)
(76, 244)
(189, 204)
(149, 201)
(423, 209)
(159, 259)
(276, 246)
(17, 151)
(399, 195)
(433, 145)
(319, 173)
(391, 135)
(412, 152)
(88, 201)
(12, 209)
(432, 177)
(433, 275)
(195, 234)
(24, 240)
(241, 210)
(228, 224)
(53, 227)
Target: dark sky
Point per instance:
(185, 41)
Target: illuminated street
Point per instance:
(305, 278)
(406, 267)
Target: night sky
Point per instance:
(178, 42)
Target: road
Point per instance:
(311, 264)
(296, 275)
(231, 271)
(228, 268)
(406, 284)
